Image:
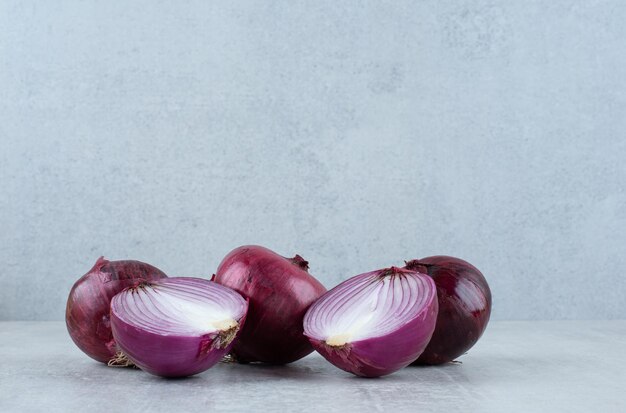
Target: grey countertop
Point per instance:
(517, 366)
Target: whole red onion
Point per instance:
(464, 307)
(374, 323)
(87, 310)
(279, 290)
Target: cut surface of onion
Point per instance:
(374, 323)
(178, 326)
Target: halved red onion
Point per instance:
(374, 323)
(177, 327)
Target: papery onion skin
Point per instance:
(385, 354)
(464, 307)
(171, 355)
(87, 309)
(280, 291)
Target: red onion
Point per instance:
(176, 327)
(280, 291)
(87, 311)
(374, 323)
(464, 307)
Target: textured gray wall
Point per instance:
(356, 134)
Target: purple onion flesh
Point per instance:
(177, 327)
(374, 323)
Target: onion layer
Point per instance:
(464, 307)
(280, 291)
(178, 326)
(87, 310)
(374, 323)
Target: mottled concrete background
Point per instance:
(357, 134)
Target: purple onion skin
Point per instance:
(464, 307)
(380, 356)
(279, 290)
(87, 310)
(167, 356)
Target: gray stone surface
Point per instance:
(357, 134)
(556, 366)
